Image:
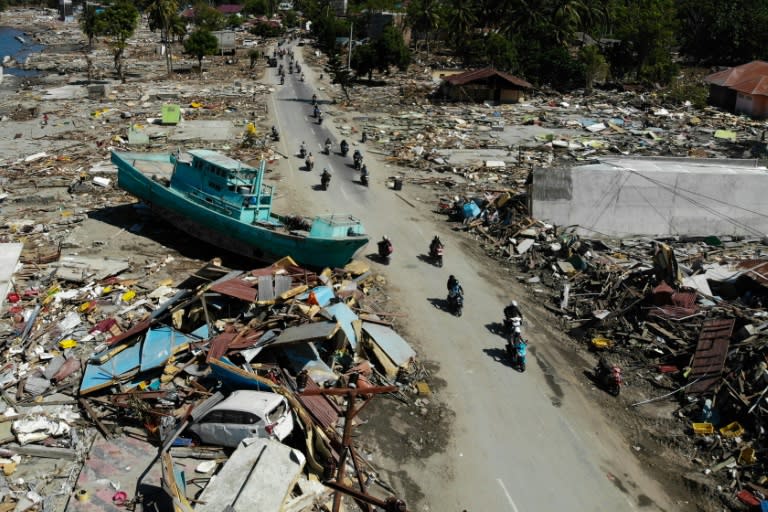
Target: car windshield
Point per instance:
(278, 412)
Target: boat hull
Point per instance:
(249, 240)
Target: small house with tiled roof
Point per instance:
(481, 85)
(741, 89)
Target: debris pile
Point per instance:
(251, 380)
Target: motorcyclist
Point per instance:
(314, 99)
(275, 133)
(316, 111)
(364, 175)
(302, 77)
(357, 158)
(344, 147)
(328, 146)
(512, 311)
(320, 118)
(282, 80)
(303, 149)
(434, 245)
(325, 178)
(385, 246)
(310, 161)
(364, 137)
(452, 283)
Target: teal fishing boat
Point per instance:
(224, 202)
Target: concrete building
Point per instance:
(626, 197)
(741, 89)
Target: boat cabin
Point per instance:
(224, 184)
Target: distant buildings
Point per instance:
(741, 89)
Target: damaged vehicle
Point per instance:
(241, 415)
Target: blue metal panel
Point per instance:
(396, 348)
(323, 294)
(97, 376)
(159, 344)
(233, 377)
(344, 317)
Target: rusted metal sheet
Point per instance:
(324, 412)
(757, 270)
(709, 359)
(136, 329)
(238, 288)
(219, 345)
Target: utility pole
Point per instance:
(349, 57)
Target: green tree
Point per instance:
(730, 33)
(178, 28)
(339, 72)
(391, 50)
(256, 8)
(594, 63)
(290, 18)
(207, 17)
(462, 17)
(3, 5)
(160, 14)
(201, 43)
(118, 21)
(364, 60)
(89, 24)
(425, 16)
(647, 29)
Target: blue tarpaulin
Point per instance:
(471, 210)
(323, 294)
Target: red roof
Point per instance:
(481, 74)
(750, 78)
(229, 8)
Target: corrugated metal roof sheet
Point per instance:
(709, 359)
(755, 269)
(325, 412)
(480, 74)
(238, 288)
(748, 78)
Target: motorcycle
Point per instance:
(610, 377)
(456, 302)
(275, 135)
(310, 164)
(517, 353)
(302, 153)
(358, 162)
(282, 80)
(320, 118)
(327, 149)
(344, 149)
(436, 254)
(385, 251)
(325, 180)
(315, 112)
(364, 179)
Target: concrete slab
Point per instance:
(260, 473)
(629, 197)
(218, 130)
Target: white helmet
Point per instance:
(385, 237)
(513, 303)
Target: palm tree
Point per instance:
(161, 15)
(425, 17)
(463, 21)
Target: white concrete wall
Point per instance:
(684, 197)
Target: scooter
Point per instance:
(517, 353)
(610, 377)
(436, 254)
(327, 149)
(325, 180)
(456, 302)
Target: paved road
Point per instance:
(523, 442)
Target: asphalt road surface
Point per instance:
(530, 441)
